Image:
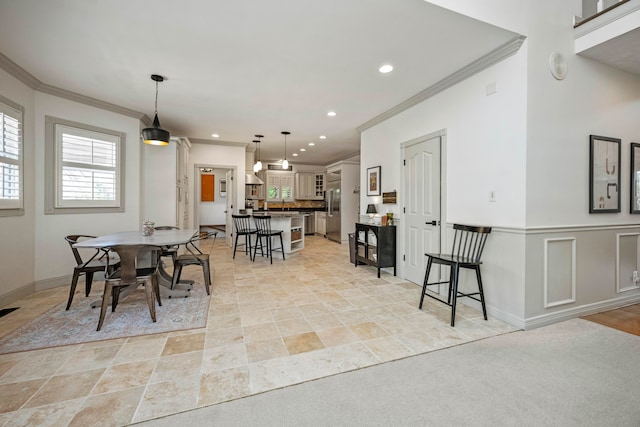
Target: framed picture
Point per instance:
(373, 181)
(635, 178)
(604, 174)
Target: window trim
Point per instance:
(16, 211)
(51, 161)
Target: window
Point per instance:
(11, 158)
(85, 167)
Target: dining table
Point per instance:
(159, 238)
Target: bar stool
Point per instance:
(263, 226)
(468, 244)
(242, 226)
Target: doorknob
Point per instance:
(434, 222)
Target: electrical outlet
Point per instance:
(492, 195)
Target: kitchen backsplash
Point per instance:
(298, 204)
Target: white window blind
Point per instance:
(11, 159)
(87, 168)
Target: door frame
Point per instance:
(196, 190)
(443, 193)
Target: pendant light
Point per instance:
(155, 135)
(285, 163)
(258, 166)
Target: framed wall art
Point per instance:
(373, 181)
(604, 174)
(634, 186)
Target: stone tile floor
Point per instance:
(269, 326)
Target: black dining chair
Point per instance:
(97, 262)
(266, 233)
(194, 256)
(468, 244)
(130, 275)
(242, 227)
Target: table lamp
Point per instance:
(371, 210)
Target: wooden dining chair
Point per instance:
(242, 227)
(129, 275)
(468, 244)
(97, 262)
(264, 237)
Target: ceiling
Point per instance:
(245, 67)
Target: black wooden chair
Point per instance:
(242, 227)
(194, 256)
(95, 263)
(264, 232)
(468, 244)
(129, 275)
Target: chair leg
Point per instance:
(115, 298)
(270, 248)
(479, 277)
(426, 280)
(282, 246)
(207, 276)
(455, 272)
(74, 283)
(88, 282)
(105, 302)
(148, 290)
(235, 246)
(255, 249)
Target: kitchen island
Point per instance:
(292, 226)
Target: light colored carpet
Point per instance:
(58, 326)
(575, 373)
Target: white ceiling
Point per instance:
(242, 67)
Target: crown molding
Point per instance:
(495, 56)
(31, 81)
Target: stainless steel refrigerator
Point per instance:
(334, 230)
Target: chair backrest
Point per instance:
(128, 261)
(242, 223)
(72, 239)
(469, 241)
(263, 223)
(191, 244)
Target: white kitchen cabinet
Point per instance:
(279, 186)
(310, 185)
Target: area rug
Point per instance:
(58, 327)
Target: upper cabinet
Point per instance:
(279, 186)
(310, 185)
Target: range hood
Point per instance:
(251, 179)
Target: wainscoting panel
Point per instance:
(559, 271)
(627, 261)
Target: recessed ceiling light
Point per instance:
(386, 68)
(303, 149)
(295, 154)
(312, 144)
(215, 135)
(323, 137)
(331, 113)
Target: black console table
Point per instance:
(375, 245)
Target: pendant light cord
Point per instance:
(156, 112)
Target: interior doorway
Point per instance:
(423, 187)
(213, 212)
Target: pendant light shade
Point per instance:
(155, 135)
(285, 163)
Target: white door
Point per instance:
(422, 206)
(228, 228)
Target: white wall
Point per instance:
(52, 252)
(17, 251)
(159, 183)
(227, 157)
